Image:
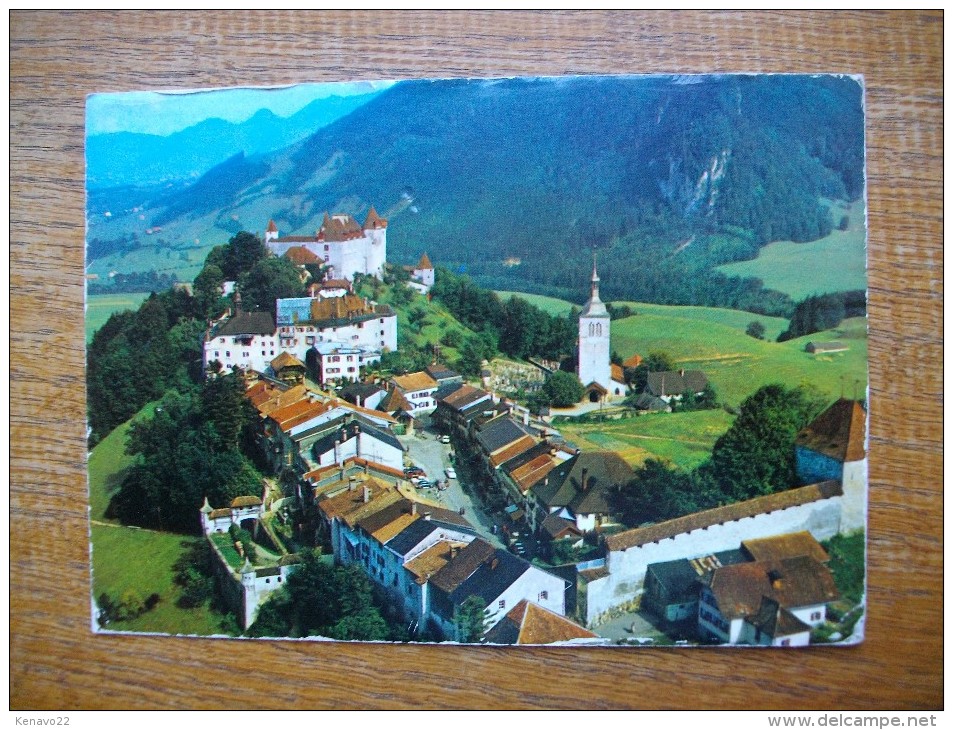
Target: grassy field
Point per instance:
(99, 307)
(831, 264)
(130, 558)
(550, 305)
(737, 365)
(685, 439)
(142, 560)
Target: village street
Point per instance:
(425, 450)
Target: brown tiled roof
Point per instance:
(285, 360)
(297, 413)
(776, 621)
(334, 284)
(463, 396)
(272, 227)
(295, 239)
(299, 255)
(340, 227)
(390, 521)
(463, 565)
(839, 432)
(247, 501)
(282, 399)
(676, 382)
(633, 362)
(424, 262)
(531, 472)
(793, 582)
(221, 512)
(394, 401)
(373, 220)
(790, 545)
(263, 391)
(556, 526)
(719, 515)
(345, 307)
(432, 560)
(247, 323)
(536, 625)
(513, 450)
(349, 506)
(414, 381)
(616, 372)
(373, 465)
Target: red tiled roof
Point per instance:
(515, 449)
(536, 625)
(373, 220)
(300, 256)
(412, 382)
(424, 262)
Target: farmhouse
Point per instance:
(672, 385)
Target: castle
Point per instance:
(341, 243)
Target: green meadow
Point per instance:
(685, 439)
(99, 307)
(831, 264)
(129, 558)
(737, 365)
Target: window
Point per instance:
(216, 353)
(267, 580)
(279, 579)
(502, 604)
(816, 616)
(544, 595)
(227, 353)
(785, 642)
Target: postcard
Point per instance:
(517, 361)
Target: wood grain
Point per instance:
(59, 57)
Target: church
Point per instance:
(603, 380)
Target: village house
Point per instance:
(581, 490)
(770, 603)
(417, 390)
(245, 340)
(529, 624)
(672, 588)
(673, 385)
(341, 243)
(456, 406)
(368, 395)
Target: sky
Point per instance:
(162, 113)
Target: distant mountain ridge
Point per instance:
(127, 158)
(514, 179)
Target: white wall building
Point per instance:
(340, 243)
(594, 365)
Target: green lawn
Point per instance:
(107, 462)
(831, 264)
(737, 365)
(99, 307)
(128, 557)
(685, 439)
(142, 560)
(550, 305)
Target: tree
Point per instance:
(563, 389)
(208, 290)
(242, 252)
(755, 329)
(469, 620)
(267, 280)
(755, 456)
(654, 362)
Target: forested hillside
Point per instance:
(514, 180)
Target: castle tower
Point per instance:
(271, 232)
(594, 352)
(375, 230)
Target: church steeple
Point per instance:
(594, 307)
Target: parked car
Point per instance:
(451, 472)
(445, 439)
(424, 483)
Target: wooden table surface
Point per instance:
(59, 57)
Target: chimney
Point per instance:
(427, 516)
(238, 301)
(454, 549)
(367, 494)
(585, 480)
(777, 581)
(413, 508)
(337, 453)
(682, 372)
(495, 564)
(351, 484)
